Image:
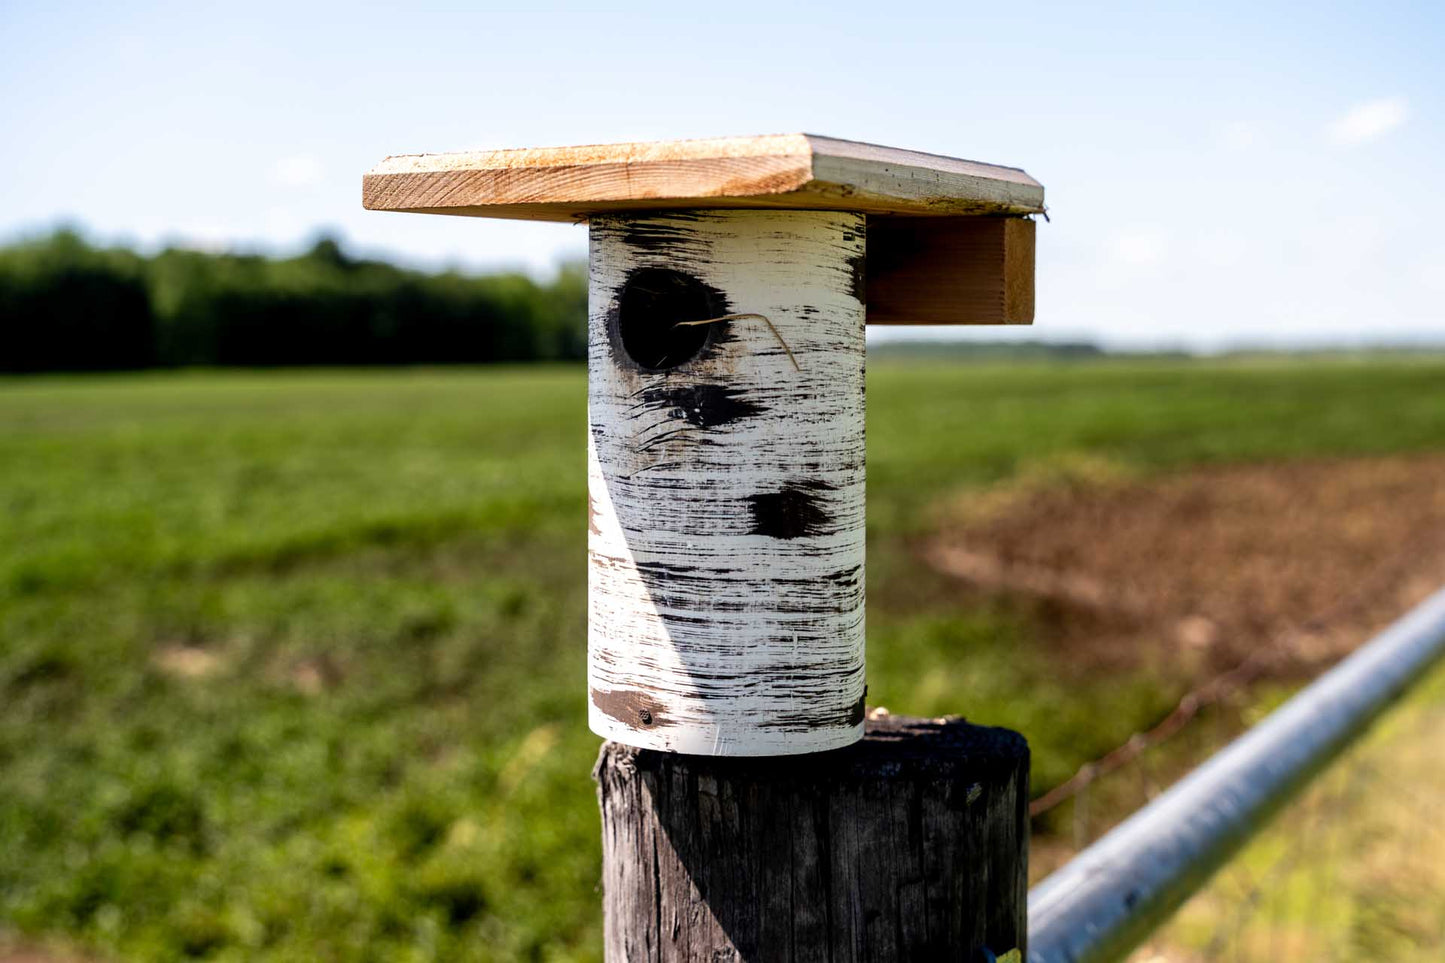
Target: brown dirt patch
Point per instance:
(1198, 571)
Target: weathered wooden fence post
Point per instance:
(731, 281)
(910, 845)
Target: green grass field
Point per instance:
(292, 665)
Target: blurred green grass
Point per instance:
(291, 664)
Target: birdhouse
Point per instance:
(730, 284)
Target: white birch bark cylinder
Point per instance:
(726, 481)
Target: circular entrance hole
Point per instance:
(652, 303)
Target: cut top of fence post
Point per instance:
(788, 171)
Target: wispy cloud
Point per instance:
(1368, 121)
(299, 171)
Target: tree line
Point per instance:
(66, 305)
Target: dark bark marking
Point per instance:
(703, 406)
(657, 236)
(665, 569)
(844, 718)
(794, 512)
(633, 708)
(858, 282)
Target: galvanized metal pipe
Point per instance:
(1110, 897)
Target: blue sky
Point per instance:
(1216, 173)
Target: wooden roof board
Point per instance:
(797, 171)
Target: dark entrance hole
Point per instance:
(652, 302)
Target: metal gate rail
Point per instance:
(1111, 896)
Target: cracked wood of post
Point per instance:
(726, 485)
(910, 845)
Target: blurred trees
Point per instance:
(66, 306)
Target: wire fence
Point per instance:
(1354, 868)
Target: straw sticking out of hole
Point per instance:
(739, 317)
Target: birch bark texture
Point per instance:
(726, 481)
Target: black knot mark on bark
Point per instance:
(794, 512)
(652, 302)
(703, 406)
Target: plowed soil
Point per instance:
(1198, 571)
